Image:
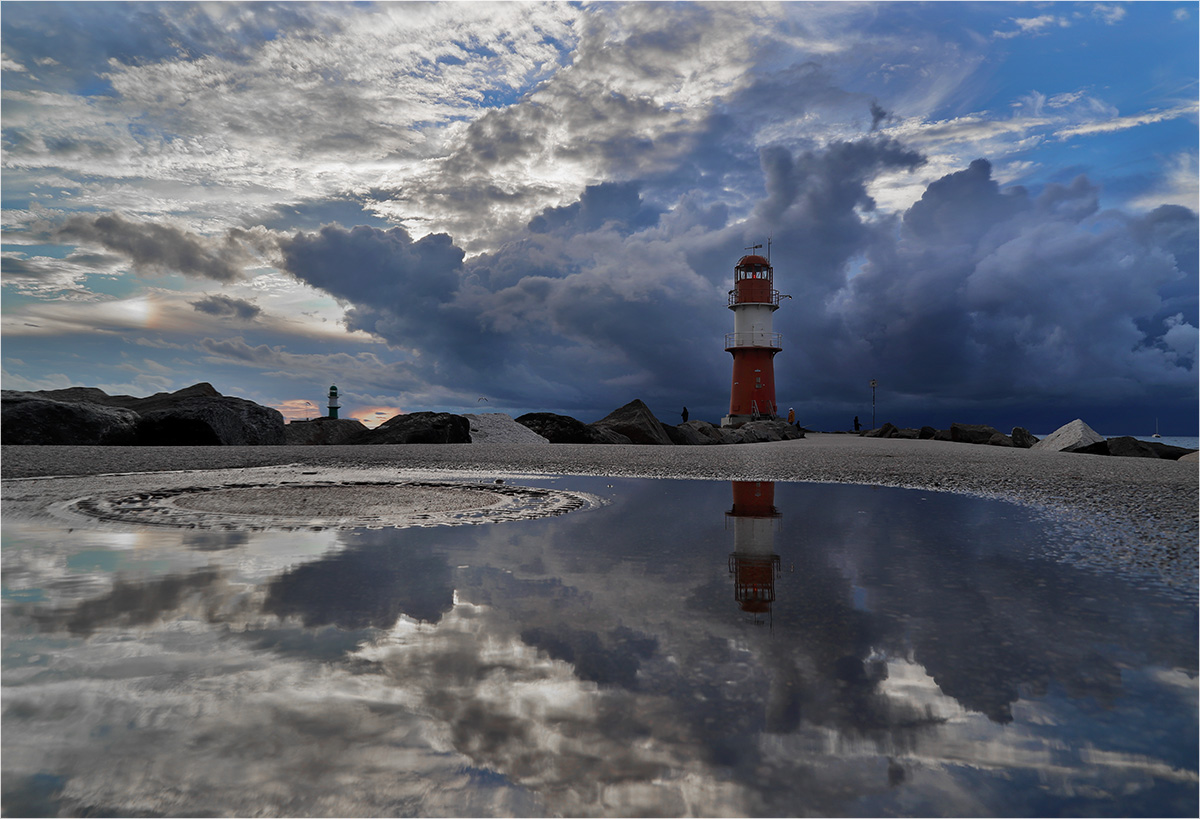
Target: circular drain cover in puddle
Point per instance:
(333, 505)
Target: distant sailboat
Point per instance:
(1156, 435)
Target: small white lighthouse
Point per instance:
(334, 403)
(753, 342)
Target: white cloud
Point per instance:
(1119, 123)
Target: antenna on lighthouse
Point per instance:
(768, 250)
(754, 247)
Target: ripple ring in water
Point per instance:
(317, 505)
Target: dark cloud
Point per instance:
(312, 214)
(219, 305)
(997, 295)
(878, 115)
(979, 296)
(618, 204)
(368, 585)
(159, 248)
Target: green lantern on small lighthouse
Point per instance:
(334, 404)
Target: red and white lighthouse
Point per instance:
(752, 343)
(754, 564)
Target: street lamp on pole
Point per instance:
(874, 384)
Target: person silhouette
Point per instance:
(684, 414)
(856, 425)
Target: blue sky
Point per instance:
(990, 208)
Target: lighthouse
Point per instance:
(754, 564)
(334, 403)
(753, 343)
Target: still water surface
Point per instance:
(689, 648)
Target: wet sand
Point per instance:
(1144, 511)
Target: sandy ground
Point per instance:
(1143, 511)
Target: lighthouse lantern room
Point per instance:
(753, 343)
(334, 403)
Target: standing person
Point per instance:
(856, 426)
(684, 414)
(791, 417)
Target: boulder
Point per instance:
(927, 433)
(604, 435)
(563, 429)
(418, 428)
(769, 430)
(1191, 457)
(700, 432)
(973, 433)
(1129, 447)
(885, 431)
(1022, 438)
(1000, 439)
(500, 428)
(557, 429)
(676, 435)
(943, 435)
(907, 432)
(194, 416)
(1170, 453)
(1071, 437)
(636, 422)
(211, 421)
(30, 420)
(322, 431)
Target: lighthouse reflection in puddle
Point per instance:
(753, 563)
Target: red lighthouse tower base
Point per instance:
(753, 342)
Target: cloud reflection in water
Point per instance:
(919, 655)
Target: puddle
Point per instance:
(683, 648)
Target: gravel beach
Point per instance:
(1138, 512)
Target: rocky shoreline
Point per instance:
(201, 416)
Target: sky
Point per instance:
(988, 208)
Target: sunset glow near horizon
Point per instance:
(991, 209)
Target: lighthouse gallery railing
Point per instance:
(772, 341)
(772, 298)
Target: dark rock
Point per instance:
(1095, 448)
(927, 433)
(167, 400)
(769, 430)
(1129, 447)
(1000, 439)
(557, 429)
(1022, 438)
(30, 420)
(886, 431)
(321, 431)
(211, 421)
(636, 422)
(700, 432)
(1168, 452)
(907, 432)
(194, 416)
(418, 428)
(973, 433)
(604, 435)
(943, 435)
(677, 435)
(563, 429)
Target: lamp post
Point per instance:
(874, 384)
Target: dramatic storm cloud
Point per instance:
(991, 212)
